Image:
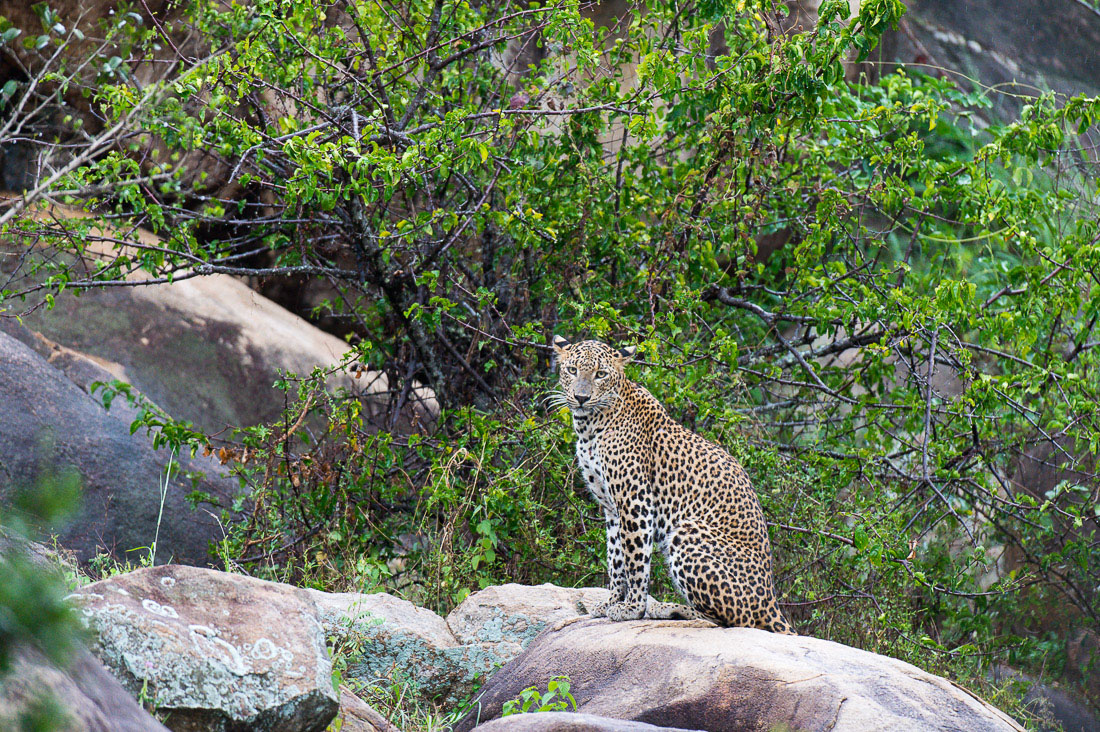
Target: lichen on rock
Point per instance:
(215, 651)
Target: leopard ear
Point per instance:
(627, 354)
(560, 344)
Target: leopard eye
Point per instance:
(601, 374)
(571, 370)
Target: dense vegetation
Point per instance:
(878, 297)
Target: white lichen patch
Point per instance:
(156, 608)
(262, 649)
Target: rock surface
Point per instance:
(80, 368)
(205, 349)
(568, 722)
(1018, 46)
(383, 634)
(216, 651)
(41, 556)
(1056, 708)
(86, 695)
(48, 424)
(226, 652)
(679, 674)
(506, 618)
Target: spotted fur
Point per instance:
(660, 484)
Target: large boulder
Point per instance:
(215, 651)
(50, 426)
(695, 676)
(208, 349)
(205, 349)
(504, 619)
(384, 636)
(81, 697)
(1015, 47)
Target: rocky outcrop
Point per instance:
(506, 618)
(1018, 47)
(383, 636)
(82, 697)
(381, 633)
(51, 427)
(682, 674)
(568, 722)
(207, 349)
(225, 652)
(214, 651)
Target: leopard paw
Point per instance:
(599, 610)
(625, 611)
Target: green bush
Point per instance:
(35, 618)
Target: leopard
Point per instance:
(662, 485)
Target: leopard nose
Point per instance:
(581, 400)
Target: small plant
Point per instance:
(556, 699)
(160, 512)
(147, 696)
(349, 642)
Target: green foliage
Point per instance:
(556, 699)
(34, 615)
(400, 701)
(477, 512)
(880, 298)
(349, 642)
(161, 428)
(32, 609)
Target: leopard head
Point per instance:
(590, 374)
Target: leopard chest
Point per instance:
(594, 468)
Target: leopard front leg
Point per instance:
(636, 546)
(615, 565)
